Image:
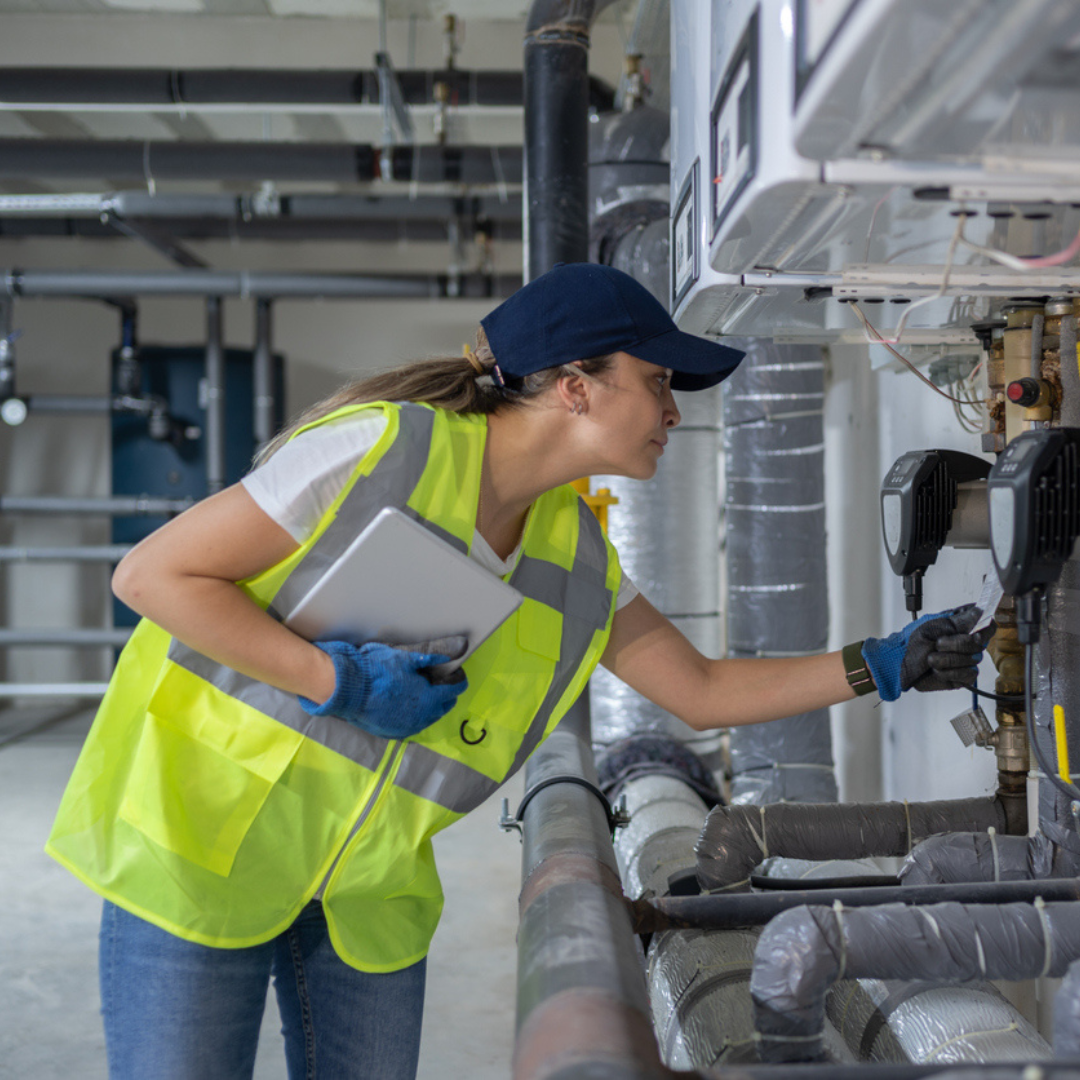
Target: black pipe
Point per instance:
(726, 912)
(129, 159)
(556, 133)
(257, 86)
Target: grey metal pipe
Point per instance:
(263, 373)
(803, 952)
(215, 397)
(69, 403)
(83, 639)
(581, 1001)
(83, 553)
(116, 506)
(736, 838)
(106, 284)
(345, 163)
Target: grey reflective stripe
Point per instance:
(579, 624)
(336, 735)
(585, 601)
(390, 483)
(445, 781)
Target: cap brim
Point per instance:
(696, 362)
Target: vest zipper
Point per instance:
(392, 758)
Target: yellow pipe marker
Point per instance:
(1062, 744)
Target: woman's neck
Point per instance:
(520, 464)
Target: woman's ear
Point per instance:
(573, 392)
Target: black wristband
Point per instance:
(858, 674)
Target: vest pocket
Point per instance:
(196, 793)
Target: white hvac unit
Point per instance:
(826, 172)
(926, 80)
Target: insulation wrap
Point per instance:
(735, 839)
(1067, 1014)
(804, 951)
(981, 856)
(666, 532)
(666, 817)
(774, 524)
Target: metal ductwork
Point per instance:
(777, 601)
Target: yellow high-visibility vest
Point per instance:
(213, 806)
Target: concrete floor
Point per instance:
(50, 1027)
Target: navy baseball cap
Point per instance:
(580, 310)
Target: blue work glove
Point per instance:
(388, 691)
(936, 652)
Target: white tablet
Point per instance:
(400, 584)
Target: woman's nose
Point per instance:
(672, 416)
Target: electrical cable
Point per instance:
(1002, 699)
(1070, 791)
(899, 356)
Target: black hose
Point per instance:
(731, 910)
(855, 881)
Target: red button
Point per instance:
(1015, 391)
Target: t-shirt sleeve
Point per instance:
(627, 591)
(298, 484)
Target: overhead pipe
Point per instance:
(82, 639)
(254, 162)
(736, 838)
(83, 553)
(556, 98)
(115, 506)
(803, 952)
(196, 89)
(108, 284)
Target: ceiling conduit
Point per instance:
(95, 88)
(158, 160)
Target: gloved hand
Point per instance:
(386, 690)
(936, 652)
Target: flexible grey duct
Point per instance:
(665, 530)
(737, 838)
(775, 527)
(900, 1023)
(804, 952)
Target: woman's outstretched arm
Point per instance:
(651, 655)
(183, 577)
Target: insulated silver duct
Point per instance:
(665, 531)
(805, 951)
(775, 533)
(665, 819)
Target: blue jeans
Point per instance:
(175, 1010)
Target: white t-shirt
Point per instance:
(300, 481)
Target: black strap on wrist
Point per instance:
(858, 674)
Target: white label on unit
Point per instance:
(890, 520)
(1002, 510)
(733, 136)
(683, 234)
(820, 20)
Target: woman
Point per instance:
(251, 803)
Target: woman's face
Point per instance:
(634, 410)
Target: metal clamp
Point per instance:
(618, 817)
